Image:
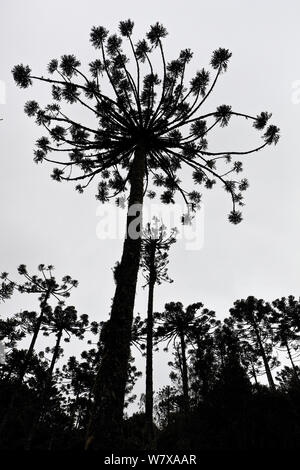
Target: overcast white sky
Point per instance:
(46, 222)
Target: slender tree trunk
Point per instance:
(105, 425)
(264, 358)
(292, 362)
(149, 352)
(185, 385)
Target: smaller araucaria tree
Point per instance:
(156, 243)
(60, 321)
(45, 285)
(63, 320)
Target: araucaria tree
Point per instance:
(252, 319)
(156, 243)
(177, 324)
(46, 286)
(149, 127)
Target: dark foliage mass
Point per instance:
(216, 400)
(43, 406)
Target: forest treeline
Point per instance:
(216, 398)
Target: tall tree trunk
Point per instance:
(264, 357)
(185, 385)
(105, 425)
(149, 352)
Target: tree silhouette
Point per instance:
(250, 357)
(150, 127)
(46, 286)
(11, 331)
(252, 319)
(285, 321)
(64, 321)
(175, 323)
(6, 288)
(236, 354)
(201, 365)
(166, 405)
(202, 353)
(288, 379)
(133, 375)
(230, 414)
(61, 320)
(79, 377)
(154, 263)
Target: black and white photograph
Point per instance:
(150, 227)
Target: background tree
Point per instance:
(250, 357)
(61, 321)
(288, 379)
(46, 286)
(79, 377)
(175, 324)
(232, 368)
(11, 331)
(150, 126)
(200, 359)
(285, 321)
(202, 354)
(252, 320)
(166, 405)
